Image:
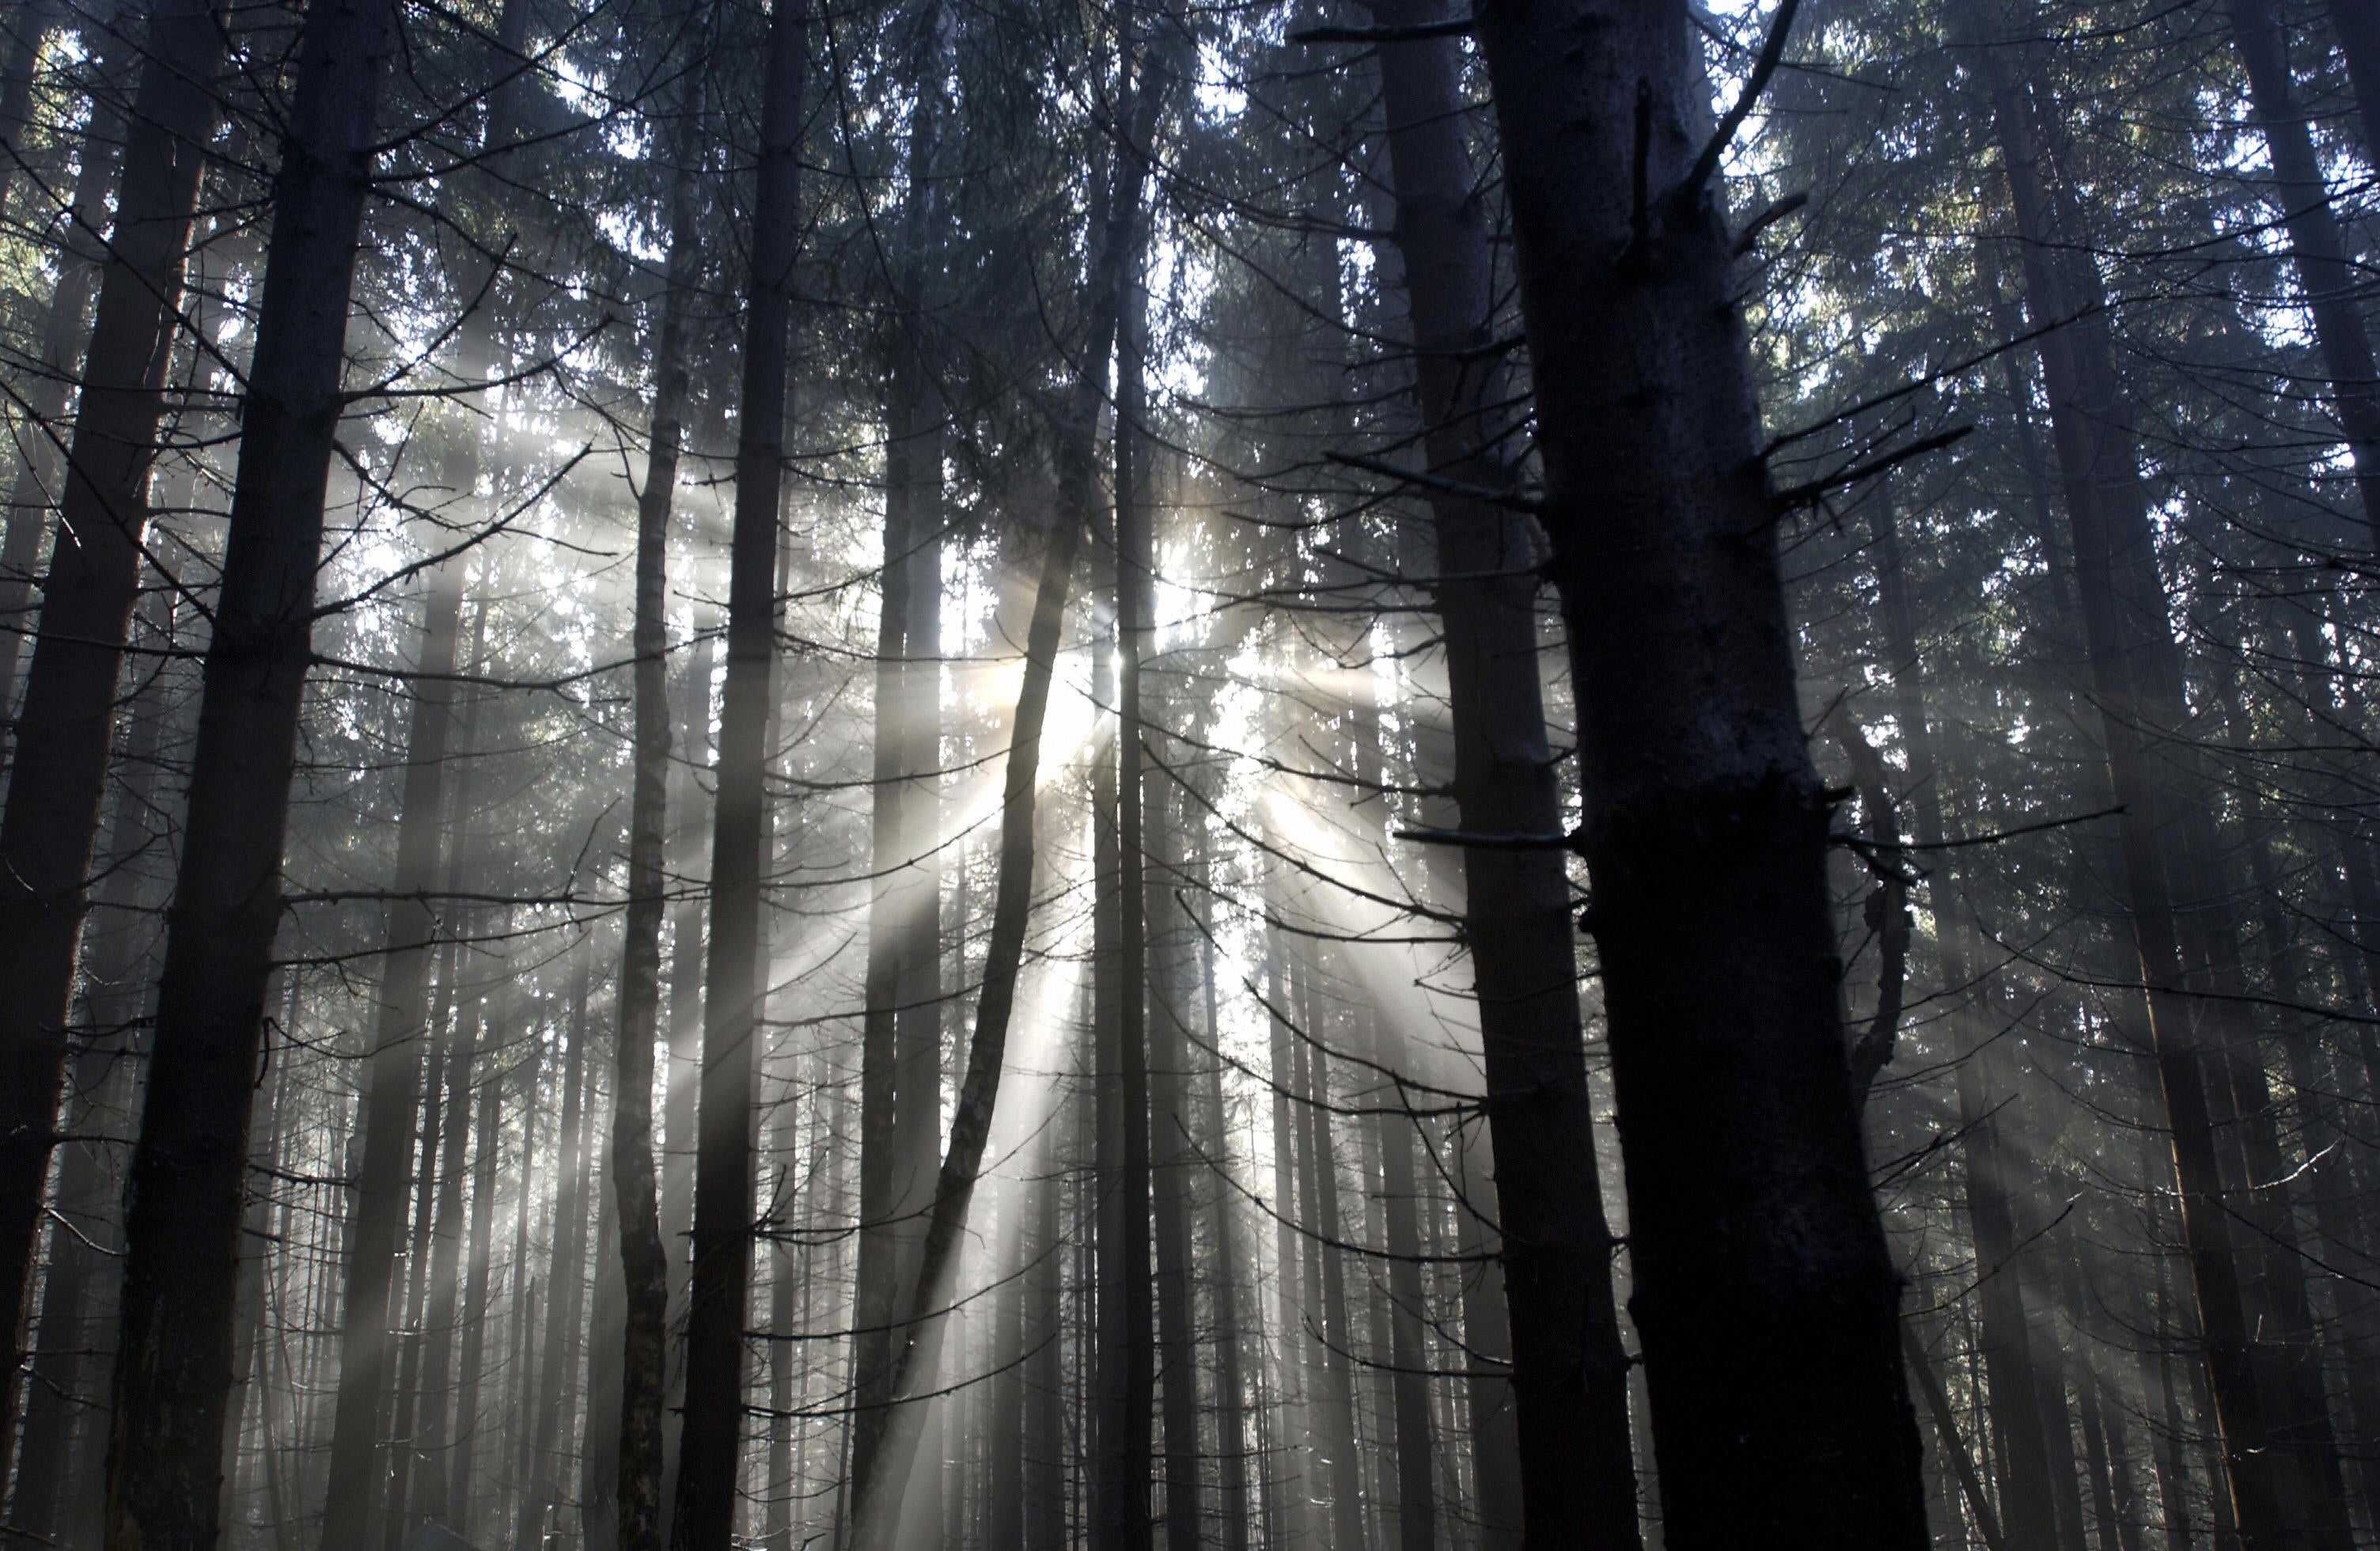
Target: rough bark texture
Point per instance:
(720, 1299)
(183, 1206)
(1765, 1298)
(63, 730)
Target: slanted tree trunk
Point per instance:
(1766, 1300)
(719, 1302)
(2326, 281)
(182, 1221)
(81, 261)
(2282, 1465)
(876, 1495)
(69, 716)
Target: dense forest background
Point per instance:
(1027, 773)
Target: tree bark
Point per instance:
(720, 1300)
(182, 1221)
(69, 716)
(1765, 1296)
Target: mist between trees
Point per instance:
(904, 774)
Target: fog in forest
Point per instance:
(1007, 775)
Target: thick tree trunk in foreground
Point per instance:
(69, 716)
(1569, 1384)
(183, 1212)
(720, 1300)
(1764, 1297)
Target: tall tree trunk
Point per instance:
(57, 1485)
(2326, 281)
(1155, 1222)
(720, 1300)
(1326, 1290)
(876, 1493)
(406, 1317)
(1233, 1404)
(431, 1500)
(1290, 1295)
(28, 35)
(182, 1222)
(684, 1080)
(1568, 1397)
(644, 1255)
(564, 1283)
(459, 1481)
(393, 1082)
(69, 716)
(2356, 24)
(1766, 1300)
(81, 261)
(2282, 1461)
(2026, 1507)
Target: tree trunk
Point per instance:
(64, 729)
(182, 1223)
(1766, 1300)
(2026, 1506)
(1233, 1403)
(644, 1255)
(2282, 1469)
(459, 1481)
(1568, 1402)
(27, 33)
(876, 1493)
(566, 1288)
(2357, 26)
(81, 260)
(392, 1083)
(720, 1299)
(2326, 281)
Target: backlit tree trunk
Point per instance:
(1764, 1299)
(183, 1217)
